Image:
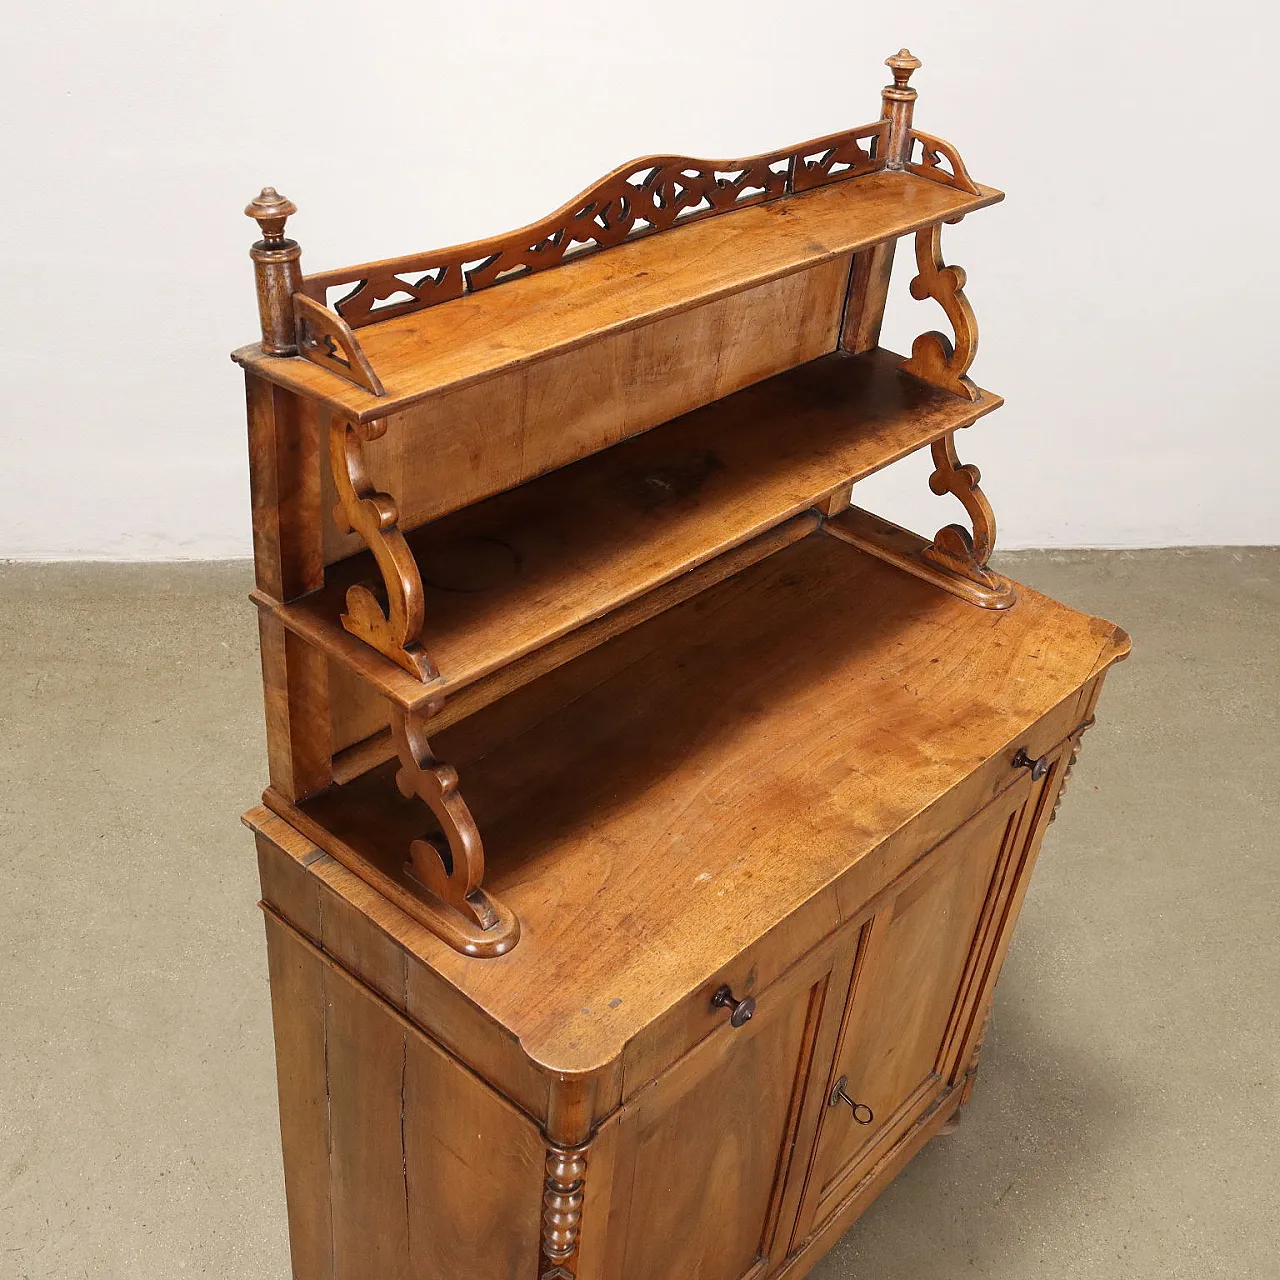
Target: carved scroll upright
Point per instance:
(933, 357)
(450, 866)
(393, 623)
(954, 549)
(956, 559)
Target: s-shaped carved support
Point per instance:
(956, 559)
(396, 629)
(452, 869)
(954, 549)
(933, 359)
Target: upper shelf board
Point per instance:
(490, 332)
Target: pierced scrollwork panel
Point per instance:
(642, 198)
(938, 161)
(388, 617)
(326, 339)
(933, 357)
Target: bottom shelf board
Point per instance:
(686, 786)
(519, 570)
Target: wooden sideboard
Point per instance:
(647, 823)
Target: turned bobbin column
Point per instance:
(899, 106)
(278, 271)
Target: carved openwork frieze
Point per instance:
(641, 198)
(326, 339)
(937, 160)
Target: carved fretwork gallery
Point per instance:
(646, 821)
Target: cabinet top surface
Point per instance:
(482, 334)
(664, 801)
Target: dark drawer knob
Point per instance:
(741, 1011)
(862, 1113)
(1039, 766)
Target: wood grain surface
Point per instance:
(752, 746)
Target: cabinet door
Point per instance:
(920, 970)
(704, 1151)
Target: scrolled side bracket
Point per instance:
(933, 357)
(450, 869)
(392, 625)
(954, 549)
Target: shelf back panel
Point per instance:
(455, 449)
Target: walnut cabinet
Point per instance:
(647, 822)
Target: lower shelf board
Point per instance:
(516, 572)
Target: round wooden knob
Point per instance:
(741, 1011)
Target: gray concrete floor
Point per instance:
(1127, 1119)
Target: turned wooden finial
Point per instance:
(270, 210)
(902, 64)
(899, 105)
(276, 262)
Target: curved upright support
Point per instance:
(933, 358)
(394, 630)
(954, 549)
(452, 869)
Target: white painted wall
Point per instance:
(1125, 289)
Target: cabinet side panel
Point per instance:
(473, 1170)
(460, 447)
(399, 1161)
(297, 1010)
(365, 1056)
